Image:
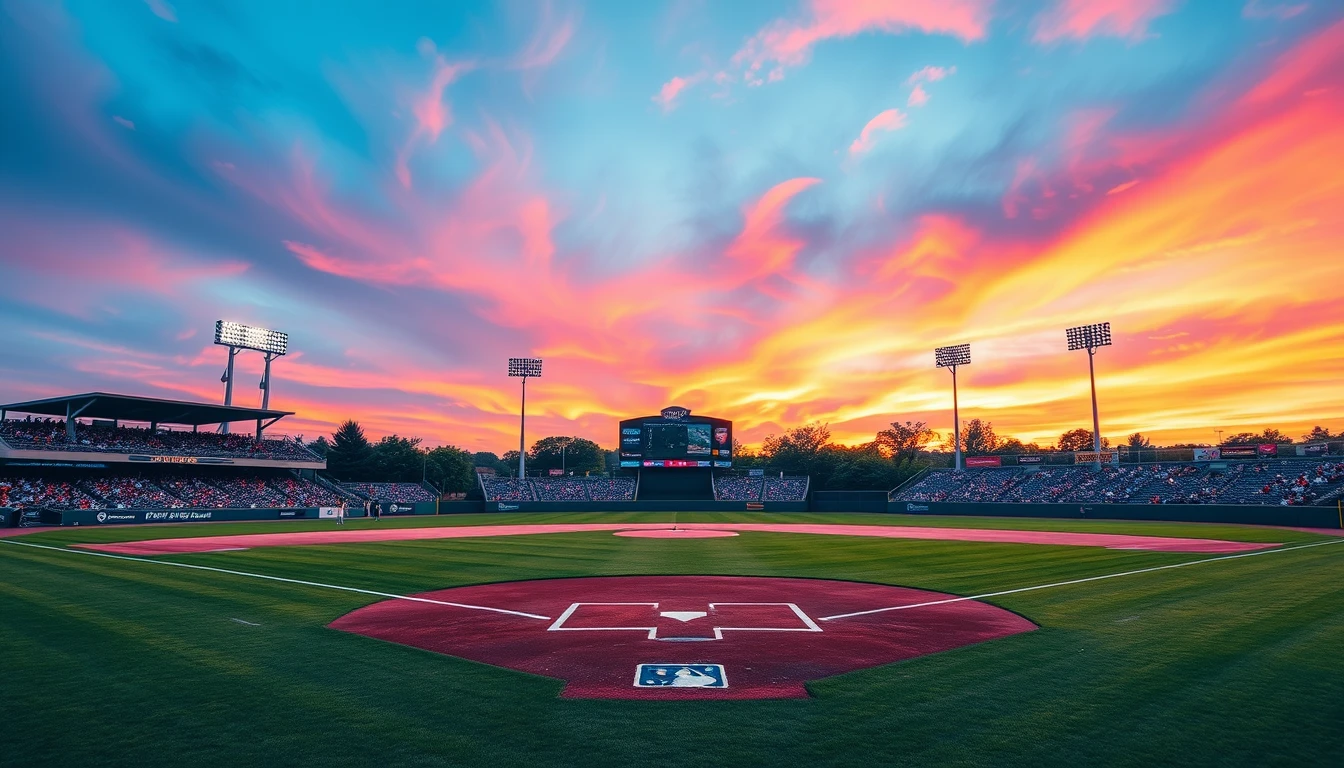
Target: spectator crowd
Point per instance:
(50, 435)
(399, 493)
(559, 489)
(1284, 482)
(167, 492)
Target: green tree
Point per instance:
(320, 446)
(1011, 446)
(350, 456)
(1079, 440)
(451, 469)
(798, 451)
(579, 455)
(978, 438)
(1137, 442)
(398, 460)
(1271, 435)
(1320, 435)
(904, 440)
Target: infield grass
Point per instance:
(116, 662)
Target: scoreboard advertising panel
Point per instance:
(676, 439)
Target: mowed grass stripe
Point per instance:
(1086, 686)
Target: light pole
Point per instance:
(564, 445)
(1219, 432)
(950, 358)
(238, 337)
(1091, 337)
(523, 368)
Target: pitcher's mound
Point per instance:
(677, 533)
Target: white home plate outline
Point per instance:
(559, 624)
(723, 675)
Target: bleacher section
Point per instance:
(559, 489)
(770, 488)
(1282, 482)
(400, 493)
(50, 435)
(166, 492)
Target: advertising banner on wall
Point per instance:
(984, 461)
(1207, 454)
(1239, 451)
(1315, 449)
(328, 512)
(1090, 457)
(1033, 458)
(1268, 451)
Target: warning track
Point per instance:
(368, 535)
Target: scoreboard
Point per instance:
(677, 440)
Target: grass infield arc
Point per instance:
(761, 630)
(350, 535)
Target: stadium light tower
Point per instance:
(950, 358)
(524, 368)
(1091, 337)
(238, 337)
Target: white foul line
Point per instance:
(277, 578)
(1075, 581)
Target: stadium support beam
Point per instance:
(1091, 337)
(950, 358)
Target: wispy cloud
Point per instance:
(885, 121)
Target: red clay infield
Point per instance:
(350, 535)
(703, 637)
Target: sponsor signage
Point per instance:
(1315, 449)
(916, 508)
(1239, 451)
(984, 461)
(1089, 457)
(507, 507)
(630, 431)
(675, 413)
(1268, 451)
(328, 512)
(174, 515)
(721, 435)
(1034, 458)
(556, 472)
(629, 463)
(78, 464)
(1207, 454)
(178, 459)
(756, 473)
(115, 517)
(755, 505)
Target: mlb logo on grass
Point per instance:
(680, 676)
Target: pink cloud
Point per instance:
(547, 43)
(1267, 9)
(432, 115)
(1081, 19)
(918, 97)
(789, 42)
(667, 95)
(930, 74)
(887, 120)
(162, 9)
(1118, 188)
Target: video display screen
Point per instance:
(666, 443)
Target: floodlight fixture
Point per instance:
(230, 334)
(1091, 337)
(238, 337)
(949, 358)
(523, 368)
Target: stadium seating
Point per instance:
(166, 492)
(785, 489)
(49, 435)
(1284, 482)
(559, 489)
(400, 493)
(506, 489)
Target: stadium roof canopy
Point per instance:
(102, 405)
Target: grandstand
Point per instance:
(1281, 482)
(559, 489)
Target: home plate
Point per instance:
(629, 637)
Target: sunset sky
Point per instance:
(770, 212)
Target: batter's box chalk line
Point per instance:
(684, 616)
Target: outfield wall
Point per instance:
(133, 516)
(1304, 517)
(467, 507)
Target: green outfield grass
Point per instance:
(114, 662)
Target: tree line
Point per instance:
(893, 456)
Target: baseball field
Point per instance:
(688, 639)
